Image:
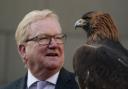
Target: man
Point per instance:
(40, 43)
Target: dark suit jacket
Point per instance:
(66, 80)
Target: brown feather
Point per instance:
(102, 62)
(103, 26)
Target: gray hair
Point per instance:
(21, 33)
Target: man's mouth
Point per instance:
(52, 54)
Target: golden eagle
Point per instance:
(102, 62)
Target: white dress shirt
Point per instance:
(31, 80)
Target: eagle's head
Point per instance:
(98, 25)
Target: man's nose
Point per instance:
(52, 43)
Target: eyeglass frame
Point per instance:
(48, 38)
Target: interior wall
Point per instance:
(12, 11)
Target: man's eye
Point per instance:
(43, 38)
(58, 37)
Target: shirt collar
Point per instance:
(32, 79)
(53, 79)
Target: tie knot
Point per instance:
(41, 84)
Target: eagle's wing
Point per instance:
(84, 57)
(100, 67)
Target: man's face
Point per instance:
(44, 57)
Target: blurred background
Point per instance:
(12, 11)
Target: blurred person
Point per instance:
(40, 43)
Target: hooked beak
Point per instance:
(80, 23)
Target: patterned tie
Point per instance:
(41, 84)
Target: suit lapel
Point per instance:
(21, 84)
(64, 80)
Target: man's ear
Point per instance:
(22, 51)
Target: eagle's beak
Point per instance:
(80, 23)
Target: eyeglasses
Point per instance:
(44, 39)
